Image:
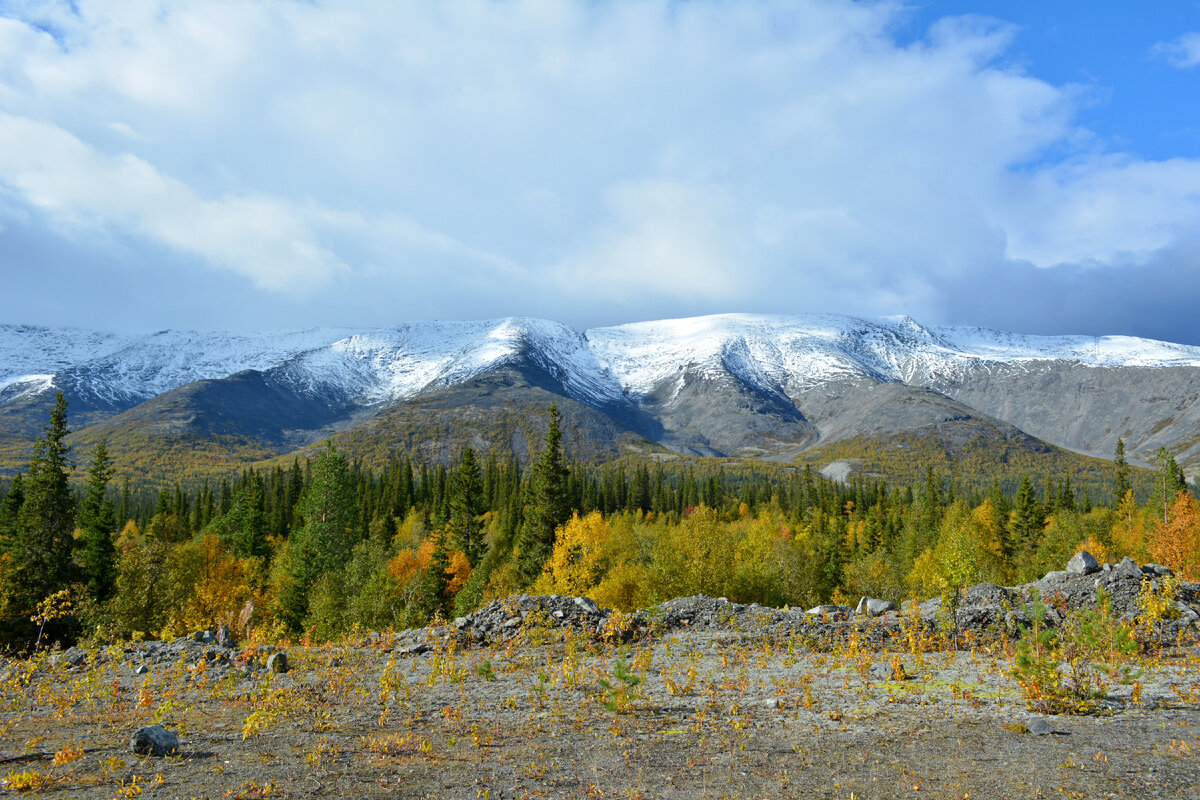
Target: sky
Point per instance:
(250, 165)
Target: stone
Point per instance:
(1083, 563)
(154, 740)
(885, 671)
(415, 649)
(141, 669)
(225, 636)
(1128, 568)
(277, 662)
(873, 607)
(588, 605)
(830, 612)
(1039, 726)
(1157, 570)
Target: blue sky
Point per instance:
(243, 165)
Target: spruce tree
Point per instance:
(98, 523)
(1168, 483)
(1121, 483)
(46, 522)
(1028, 517)
(548, 507)
(467, 506)
(327, 537)
(10, 509)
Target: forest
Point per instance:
(327, 548)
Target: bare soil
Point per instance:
(553, 713)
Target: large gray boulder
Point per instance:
(874, 607)
(154, 740)
(1083, 563)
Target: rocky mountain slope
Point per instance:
(735, 384)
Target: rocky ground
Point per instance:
(554, 697)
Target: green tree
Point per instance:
(46, 522)
(549, 506)
(1121, 483)
(1168, 483)
(10, 510)
(467, 507)
(1026, 520)
(325, 541)
(98, 523)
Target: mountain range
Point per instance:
(778, 388)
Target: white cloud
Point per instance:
(1182, 52)
(563, 158)
(259, 237)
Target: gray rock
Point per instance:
(415, 649)
(277, 662)
(770, 702)
(1040, 726)
(883, 671)
(830, 612)
(141, 669)
(1083, 563)
(1157, 570)
(588, 605)
(1128, 568)
(154, 740)
(225, 636)
(873, 607)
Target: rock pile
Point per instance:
(983, 608)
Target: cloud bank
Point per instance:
(233, 164)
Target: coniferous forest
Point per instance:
(325, 547)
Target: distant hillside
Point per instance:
(808, 389)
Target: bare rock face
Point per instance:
(1083, 563)
(154, 740)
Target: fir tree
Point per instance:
(1027, 519)
(98, 523)
(10, 509)
(327, 537)
(1168, 483)
(467, 506)
(46, 522)
(548, 507)
(1121, 483)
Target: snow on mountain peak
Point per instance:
(781, 354)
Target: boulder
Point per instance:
(277, 662)
(1083, 563)
(1128, 568)
(885, 671)
(873, 607)
(830, 612)
(1157, 571)
(154, 740)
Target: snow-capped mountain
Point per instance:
(788, 354)
(717, 384)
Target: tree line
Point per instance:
(327, 546)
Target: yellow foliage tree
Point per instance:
(1129, 530)
(214, 582)
(577, 563)
(1176, 543)
(407, 563)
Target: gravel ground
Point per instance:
(559, 712)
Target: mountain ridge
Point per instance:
(749, 385)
